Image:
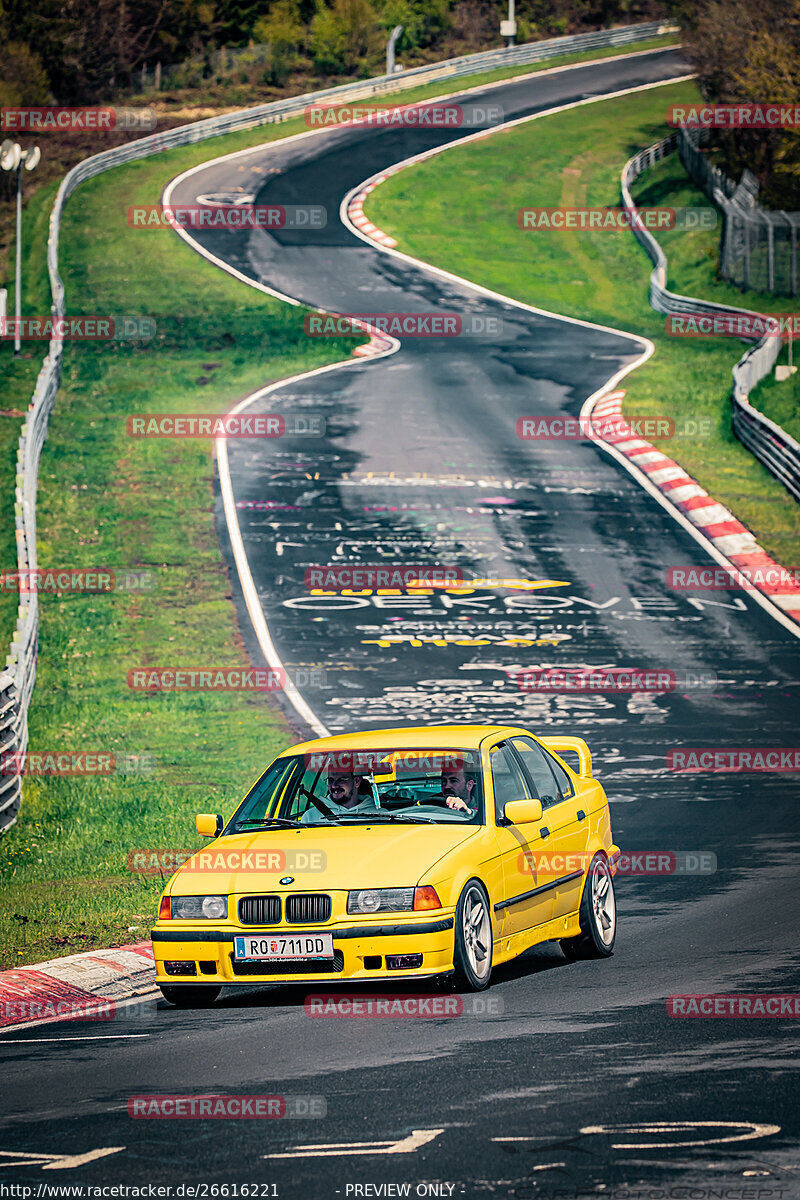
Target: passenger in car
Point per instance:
(347, 793)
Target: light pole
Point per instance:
(509, 28)
(13, 157)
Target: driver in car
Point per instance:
(458, 787)
(347, 793)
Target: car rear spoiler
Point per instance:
(576, 744)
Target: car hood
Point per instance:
(319, 859)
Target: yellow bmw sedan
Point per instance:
(394, 854)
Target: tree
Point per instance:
(423, 21)
(285, 33)
(24, 78)
(751, 54)
(346, 37)
(89, 46)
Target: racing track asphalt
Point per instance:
(577, 1046)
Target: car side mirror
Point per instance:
(209, 824)
(520, 812)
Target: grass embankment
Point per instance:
(104, 499)
(693, 271)
(464, 203)
(781, 401)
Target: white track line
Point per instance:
(249, 589)
(99, 1037)
(477, 287)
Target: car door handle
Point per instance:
(544, 832)
(581, 815)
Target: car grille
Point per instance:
(307, 910)
(260, 910)
(289, 968)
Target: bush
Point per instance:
(423, 21)
(346, 38)
(286, 36)
(24, 78)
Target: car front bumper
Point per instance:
(357, 947)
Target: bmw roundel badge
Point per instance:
(288, 879)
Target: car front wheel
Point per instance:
(472, 950)
(598, 915)
(199, 996)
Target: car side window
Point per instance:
(312, 781)
(562, 778)
(261, 796)
(507, 780)
(538, 766)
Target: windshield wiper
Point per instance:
(281, 821)
(388, 816)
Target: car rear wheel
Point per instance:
(472, 949)
(199, 996)
(598, 915)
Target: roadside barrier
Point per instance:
(770, 444)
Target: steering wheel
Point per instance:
(440, 801)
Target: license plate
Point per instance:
(276, 947)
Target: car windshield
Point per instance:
(343, 788)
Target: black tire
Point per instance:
(473, 951)
(193, 996)
(598, 915)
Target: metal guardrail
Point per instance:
(770, 444)
(229, 59)
(21, 660)
(759, 249)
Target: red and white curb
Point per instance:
(729, 536)
(355, 211)
(87, 986)
(377, 345)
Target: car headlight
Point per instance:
(372, 900)
(194, 908)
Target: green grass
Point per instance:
(693, 255)
(781, 401)
(107, 500)
(693, 270)
(458, 210)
